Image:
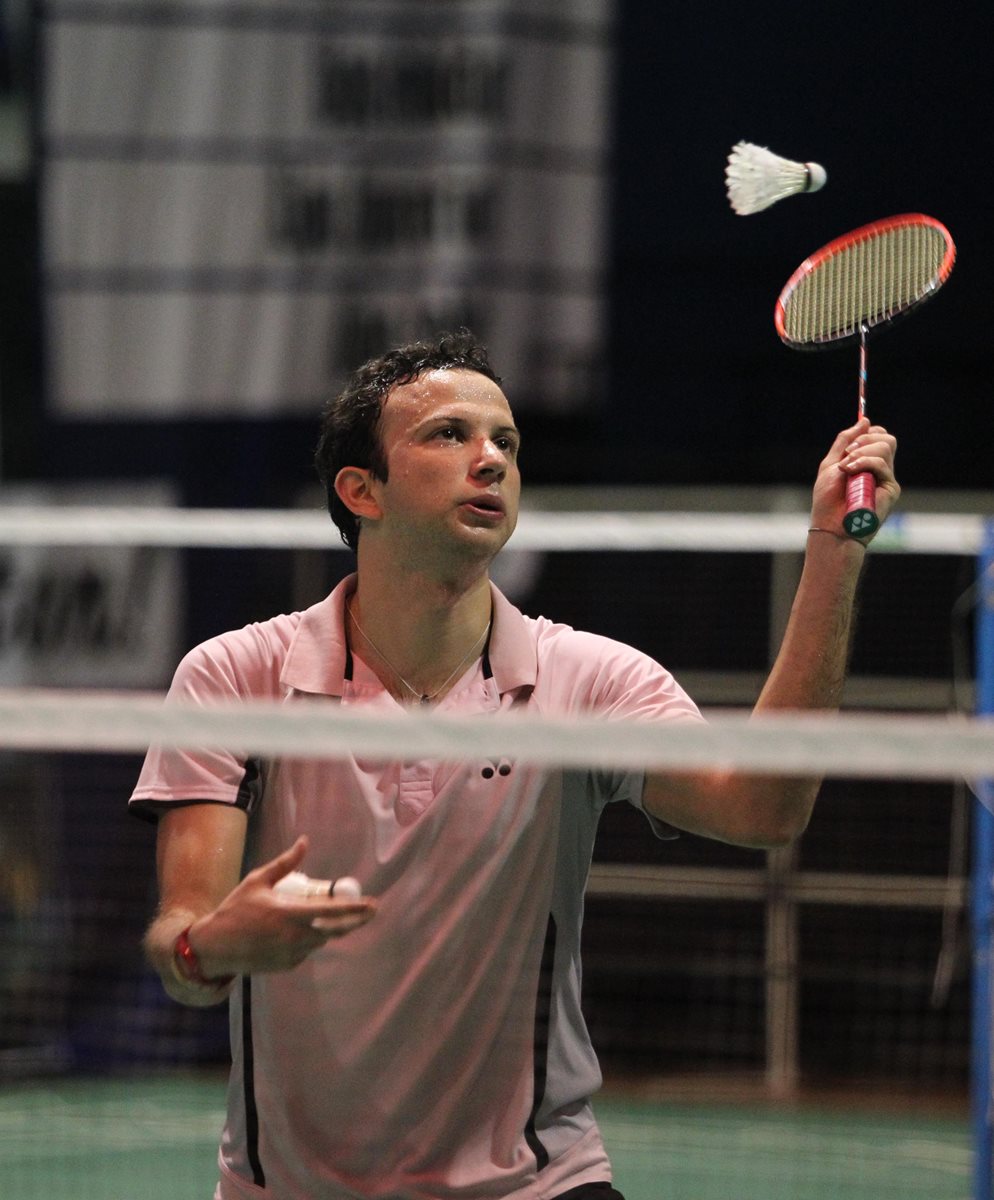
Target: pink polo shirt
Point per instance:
(439, 1051)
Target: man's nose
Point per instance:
(491, 459)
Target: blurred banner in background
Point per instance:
(242, 201)
(14, 126)
(89, 616)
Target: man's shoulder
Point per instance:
(249, 658)
(272, 636)
(569, 658)
(583, 671)
(555, 640)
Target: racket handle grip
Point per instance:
(861, 505)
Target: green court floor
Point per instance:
(155, 1139)
(725, 1152)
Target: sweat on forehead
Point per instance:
(450, 380)
(444, 385)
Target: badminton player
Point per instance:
(425, 1040)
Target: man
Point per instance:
(427, 1041)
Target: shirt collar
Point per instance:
(315, 661)
(513, 652)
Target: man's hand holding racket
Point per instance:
(859, 449)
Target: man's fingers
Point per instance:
(274, 870)
(845, 437)
(348, 917)
(870, 454)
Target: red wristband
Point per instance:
(188, 964)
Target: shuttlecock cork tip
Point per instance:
(817, 177)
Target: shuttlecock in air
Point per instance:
(756, 178)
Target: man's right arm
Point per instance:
(232, 926)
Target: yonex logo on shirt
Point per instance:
(500, 767)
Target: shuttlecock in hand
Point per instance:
(756, 178)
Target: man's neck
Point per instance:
(420, 629)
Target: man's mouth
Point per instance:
(492, 506)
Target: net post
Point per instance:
(983, 893)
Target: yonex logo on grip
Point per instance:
(860, 522)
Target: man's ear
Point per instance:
(354, 486)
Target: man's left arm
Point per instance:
(810, 669)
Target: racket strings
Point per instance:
(865, 283)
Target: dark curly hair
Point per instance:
(350, 424)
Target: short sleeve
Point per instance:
(629, 685)
(208, 674)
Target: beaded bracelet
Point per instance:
(188, 966)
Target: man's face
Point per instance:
(451, 449)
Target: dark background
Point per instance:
(891, 98)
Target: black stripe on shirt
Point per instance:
(543, 1006)
(248, 1083)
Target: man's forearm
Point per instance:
(810, 669)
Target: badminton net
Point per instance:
(836, 971)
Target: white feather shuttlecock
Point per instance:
(756, 178)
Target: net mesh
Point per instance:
(838, 973)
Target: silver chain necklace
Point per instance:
(422, 697)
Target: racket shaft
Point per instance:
(861, 505)
(861, 490)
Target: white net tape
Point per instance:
(21, 525)
(862, 745)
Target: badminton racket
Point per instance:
(857, 283)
